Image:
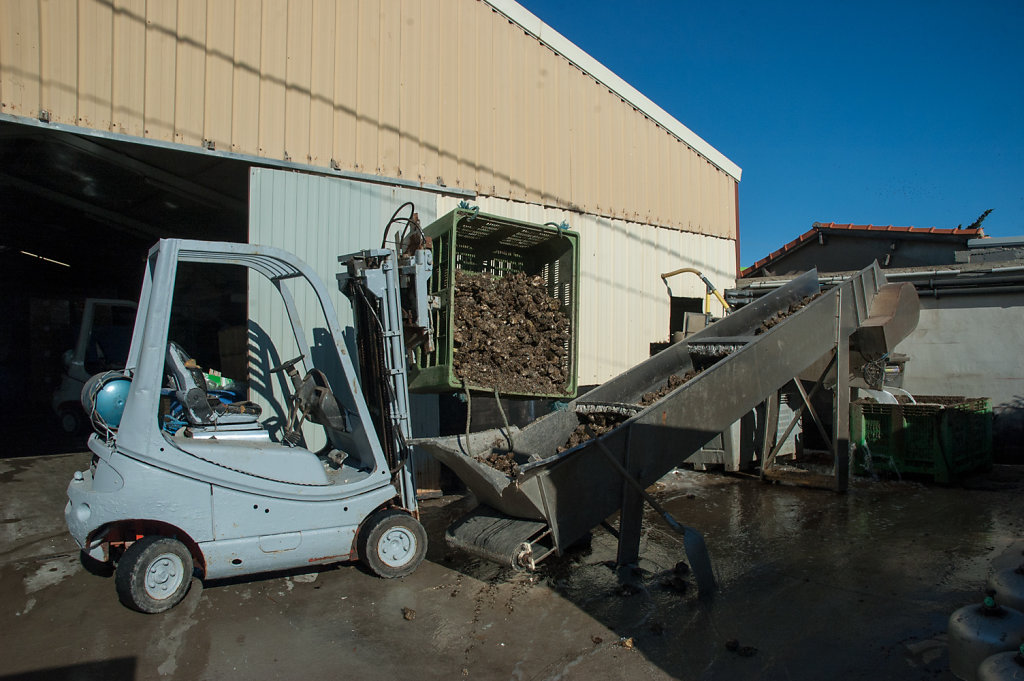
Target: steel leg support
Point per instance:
(841, 417)
(631, 519)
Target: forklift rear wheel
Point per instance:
(392, 544)
(154, 574)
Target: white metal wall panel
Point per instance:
(944, 355)
(317, 218)
(624, 305)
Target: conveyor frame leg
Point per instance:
(839, 439)
(841, 400)
(631, 518)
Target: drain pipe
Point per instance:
(967, 290)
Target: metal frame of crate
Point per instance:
(468, 240)
(935, 437)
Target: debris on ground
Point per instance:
(409, 614)
(733, 646)
(778, 317)
(675, 579)
(599, 422)
(628, 589)
(675, 582)
(510, 334)
(597, 640)
(626, 642)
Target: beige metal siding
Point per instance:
(59, 60)
(128, 81)
(95, 34)
(447, 91)
(624, 305)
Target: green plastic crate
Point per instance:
(941, 437)
(476, 242)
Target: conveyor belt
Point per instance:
(575, 490)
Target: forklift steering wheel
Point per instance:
(285, 366)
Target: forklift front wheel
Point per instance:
(154, 574)
(392, 544)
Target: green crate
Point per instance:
(476, 242)
(942, 437)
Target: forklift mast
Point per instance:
(374, 281)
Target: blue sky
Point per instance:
(904, 113)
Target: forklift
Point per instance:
(217, 496)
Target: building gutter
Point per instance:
(228, 155)
(955, 282)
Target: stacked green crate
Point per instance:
(468, 240)
(942, 437)
(873, 428)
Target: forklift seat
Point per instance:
(190, 389)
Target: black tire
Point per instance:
(154, 574)
(72, 419)
(392, 544)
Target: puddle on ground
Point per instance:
(51, 572)
(800, 571)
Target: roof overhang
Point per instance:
(967, 236)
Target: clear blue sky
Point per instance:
(904, 113)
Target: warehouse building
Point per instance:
(303, 124)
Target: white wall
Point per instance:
(971, 345)
(968, 345)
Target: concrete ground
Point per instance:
(814, 586)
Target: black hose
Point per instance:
(394, 219)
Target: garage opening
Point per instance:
(80, 214)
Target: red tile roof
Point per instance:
(817, 227)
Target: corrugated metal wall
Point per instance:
(624, 305)
(318, 219)
(439, 91)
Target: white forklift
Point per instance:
(219, 497)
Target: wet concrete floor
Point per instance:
(814, 586)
